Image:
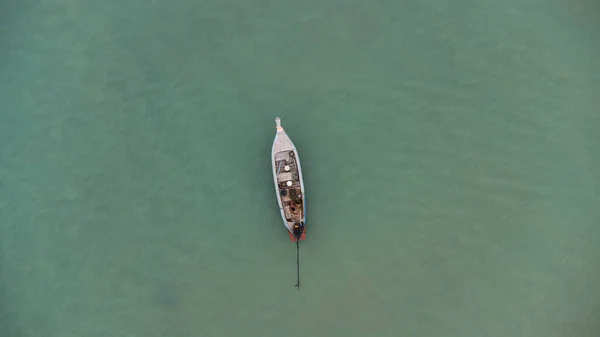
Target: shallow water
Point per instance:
(450, 155)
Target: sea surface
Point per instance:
(451, 156)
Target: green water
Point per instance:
(450, 151)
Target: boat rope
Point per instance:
(298, 259)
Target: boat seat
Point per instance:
(282, 156)
(284, 176)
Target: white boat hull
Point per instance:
(289, 183)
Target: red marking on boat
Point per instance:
(302, 237)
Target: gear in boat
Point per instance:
(290, 193)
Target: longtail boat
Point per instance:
(289, 187)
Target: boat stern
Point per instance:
(293, 238)
(297, 231)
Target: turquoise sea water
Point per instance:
(450, 153)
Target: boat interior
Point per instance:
(290, 190)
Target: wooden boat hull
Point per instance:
(289, 184)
